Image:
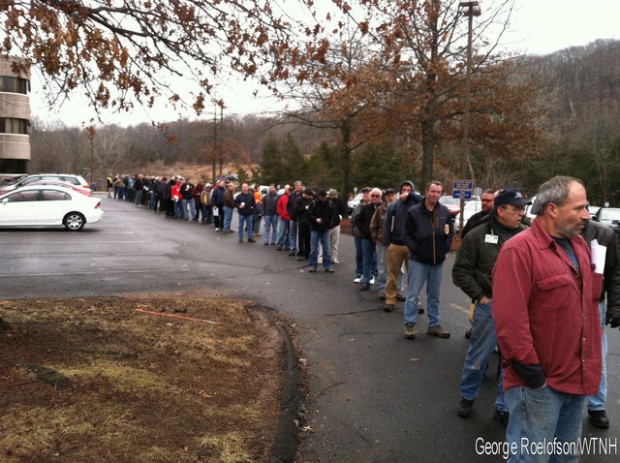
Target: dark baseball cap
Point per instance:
(510, 196)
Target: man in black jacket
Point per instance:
(321, 216)
(429, 228)
(609, 306)
(368, 245)
(245, 203)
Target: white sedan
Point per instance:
(48, 205)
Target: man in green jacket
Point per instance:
(472, 273)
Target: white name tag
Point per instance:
(493, 239)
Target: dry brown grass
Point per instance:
(95, 380)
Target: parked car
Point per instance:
(352, 204)
(79, 188)
(76, 180)
(48, 205)
(608, 215)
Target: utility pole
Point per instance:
(471, 9)
(214, 165)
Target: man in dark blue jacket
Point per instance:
(429, 229)
(394, 239)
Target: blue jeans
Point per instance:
(292, 235)
(542, 415)
(368, 257)
(243, 221)
(270, 228)
(323, 237)
(191, 215)
(359, 259)
(178, 209)
(597, 401)
(420, 273)
(228, 213)
(283, 229)
(481, 348)
(381, 267)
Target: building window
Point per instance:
(14, 125)
(13, 85)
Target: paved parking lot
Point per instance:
(373, 397)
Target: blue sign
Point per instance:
(457, 194)
(462, 187)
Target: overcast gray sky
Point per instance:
(537, 27)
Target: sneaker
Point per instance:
(329, 270)
(502, 417)
(388, 308)
(358, 279)
(365, 287)
(599, 418)
(240, 240)
(251, 240)
(292, 253)
(335, 261)
(410, 331)
(464, 408)
(372, 281)
(438, 331)
(312, 269)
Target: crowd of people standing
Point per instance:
(539, 299)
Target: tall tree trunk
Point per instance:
(345, 153)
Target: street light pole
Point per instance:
(470, 9)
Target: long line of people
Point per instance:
(401, 242)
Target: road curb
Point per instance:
(284, 448)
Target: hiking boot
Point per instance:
(410, 331)
(599, 418)
(464, 408)
(438, 331)
(388, 308)
(502, 417)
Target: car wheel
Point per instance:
(74, 221)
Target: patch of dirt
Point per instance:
(137, 380)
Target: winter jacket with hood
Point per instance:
(394, 225)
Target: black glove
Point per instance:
(613, 321)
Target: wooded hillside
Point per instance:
(577, 112)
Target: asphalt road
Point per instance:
(373, 395)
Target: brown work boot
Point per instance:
(438, 331)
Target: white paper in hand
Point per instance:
(599, 252)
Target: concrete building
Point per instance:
(14, 118)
